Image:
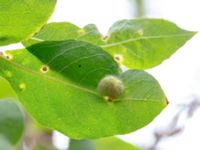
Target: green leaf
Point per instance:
(66, 31)
(20, 19)
(11, 117)
(138, 43)
(81, 145)
(11, 124)
(6, 90)
(57, 84)
(101, 144)
(4, 144)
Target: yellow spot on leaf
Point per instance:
(140, 32)
(81, 31)
(22, 86)
(25, 62)
(8, 74)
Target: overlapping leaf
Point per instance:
(56, 82)
(11, 117)
(6, 90)
(138, 43)
(20, 19)
(101, 144)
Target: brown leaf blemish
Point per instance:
(104, 38)
(118, 58)
(44, 69)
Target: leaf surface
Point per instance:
(11, 117)
(101, 144)
(138, 43)
(57, 83)
(11, 123)
(20, 19)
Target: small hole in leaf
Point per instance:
(79, 66)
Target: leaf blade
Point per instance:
(77, 110)
(136, 43)
(11, 116)
(19, 20)
(101, 144)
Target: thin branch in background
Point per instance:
(139, 8)
(173, 129)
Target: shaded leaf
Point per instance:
(4, 144)
(101, 144)
(138, 43)
(6, 90)
(20, 19)
(11, 123)
(60, 90)
(11, 117)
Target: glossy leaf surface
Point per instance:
(138, 43)
(57, 83)
(20, 19)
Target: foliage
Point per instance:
(11, 117)
(101, 144)
(56, 75)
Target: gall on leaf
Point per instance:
(110, 87)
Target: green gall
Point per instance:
(110, 87)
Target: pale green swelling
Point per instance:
(64, 96)
(139, 43)
(20, 19)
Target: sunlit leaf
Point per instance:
(19, 19)
(57, 83)
(137, 43)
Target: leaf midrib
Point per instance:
(49, 77)
(144, 38)
(72, 85)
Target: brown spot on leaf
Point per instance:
(7, 57)
(104, 38)
(118, 58)
(44, 69)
